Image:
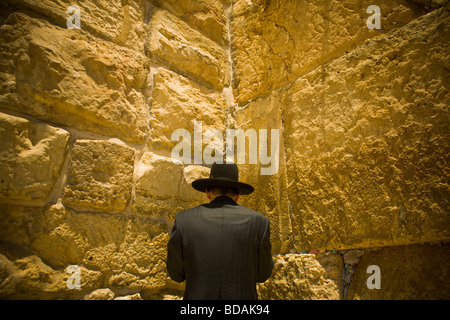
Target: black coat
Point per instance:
(221, 249)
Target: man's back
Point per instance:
(222, 249)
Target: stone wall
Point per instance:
(364, 164)
(87, 116)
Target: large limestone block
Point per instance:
(120, 251)
(274, 42)
(367, 142)
(304, 277)
(432, 4)
(176, 103)
(15, 225)
(73, 79)
(163, 186)
(207, 16)
(269, 180)
(141, 263)
(100, 294)
(114, 20)
(30, 278)
(173, 43)
(100, 175)
(31, 157)
(418, 272)
(61, 236)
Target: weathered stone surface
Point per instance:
(207, 16)
(140, 262)
(304, 277)
(172, 42)
(176, 103)
(99, 176)
(367, 142)
(270, 196)
(14, 224)
(135, 296)
(62, 237)
(72, 78)
(114, 20)
(129, 251)
(163, 195)
(56, 236)
(100, 294)
(364, 144)
(30, 278)
(418, 272)
(274, 42)
(432, 4)
(31, 157)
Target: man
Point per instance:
(221, 249)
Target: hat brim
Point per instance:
(202, 184)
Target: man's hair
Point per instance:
(218, 190)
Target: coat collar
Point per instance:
(219, 202)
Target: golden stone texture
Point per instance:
(207, 16)
(31, 157)
(163, 195)
(170, 41)
(87, 115)
(176, 103)
(71, 78)
(99, 176)
(409, 276)
(112, 250)
(367, 142)
(304, 277)
(117, 21)
(274, 42)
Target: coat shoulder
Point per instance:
(189, 210)
(251, 211)
(254, 214)
(183, 214)
(199, 210)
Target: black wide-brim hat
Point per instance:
(223, 175)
